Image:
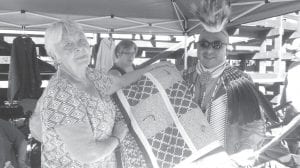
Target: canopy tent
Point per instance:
(130, 16)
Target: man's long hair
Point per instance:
(247, 103)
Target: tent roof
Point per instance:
(130, 16)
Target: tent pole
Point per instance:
(272, 1)
(248, 11)
(177, 14)
(95, 27)
(38, 25)
(167, 22)
(165, 28)
(280, 49)
(245, 3)
(131, 27)
(129, 20)
(192, 28)
(185, 51)
(44, 16)
(9, 13)
(10, 24)
(94, 18)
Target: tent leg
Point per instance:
(185, 52)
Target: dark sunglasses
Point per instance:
(213, 44)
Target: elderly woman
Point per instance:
(76, 111)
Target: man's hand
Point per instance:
(244, 158)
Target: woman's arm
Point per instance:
(130, 77)
(17, 139)
(77, 137)
(81, 144)
(114, 72)
(35, 123)
(109, 83)
(119, 82)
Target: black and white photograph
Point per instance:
(150, 84)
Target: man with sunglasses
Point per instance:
(227, 96)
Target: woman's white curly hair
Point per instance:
(55, 33)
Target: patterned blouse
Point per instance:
(63, 104)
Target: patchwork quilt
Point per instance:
(170, 128)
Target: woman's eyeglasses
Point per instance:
(214, 44)
(128, 53)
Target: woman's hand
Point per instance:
(160, 65)
(120, 130)
(8, 165)
(79, 138)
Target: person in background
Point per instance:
(13, 146)
(293, 85)
(76, 111)
(228, 97)
(125, 53)
(291, 94)
(130, 154)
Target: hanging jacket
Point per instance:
(24, 78)
(105, 55)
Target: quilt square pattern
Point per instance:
(139, 90)
(181, 101)
(169, 147)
